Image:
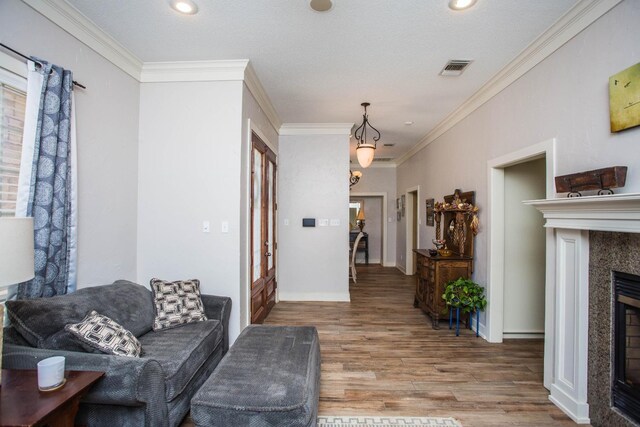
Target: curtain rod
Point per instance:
(37, 62)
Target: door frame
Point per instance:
(493, 329)
(385, 239)
(409, 231)
(245, 287)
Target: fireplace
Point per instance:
(626, 341)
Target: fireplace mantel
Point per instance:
(617, 212)
(567, 288)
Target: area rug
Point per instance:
(353, 421)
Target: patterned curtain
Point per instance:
(51, 186)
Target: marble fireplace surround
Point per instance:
(567, 367)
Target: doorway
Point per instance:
(371, 252)
(413, 229)
(524, 255)
(263, 229)
(493, 327)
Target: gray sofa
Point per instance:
(153, 390)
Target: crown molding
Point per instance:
(579, 17)
(82, 28)
(316, 129)
(257, 90)
(193, 71)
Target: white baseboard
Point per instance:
(474, 327)
(401, 268)
(315, 296)
(522, 335)
(389, 264)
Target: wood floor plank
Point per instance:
(381, 357)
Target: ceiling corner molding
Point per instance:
(193, 71)
(258, 92)
(79, 26)
(315, 129)
(579, 17)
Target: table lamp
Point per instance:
(360, 219)
(16, 259)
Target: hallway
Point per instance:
(381, 357)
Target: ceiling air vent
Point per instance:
(382, 159)
(389, 144)
(455, 67)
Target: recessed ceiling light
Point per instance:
(408, 123)
(461, 4)
(321, 5)
(188, 7)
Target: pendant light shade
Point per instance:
(365, 154)
(366, 149)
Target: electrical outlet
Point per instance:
(206, 226)
(225, 227)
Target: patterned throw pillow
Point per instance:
(177, 303)
(106, 335)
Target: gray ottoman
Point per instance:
(269, 377)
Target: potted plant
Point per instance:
(466, 295)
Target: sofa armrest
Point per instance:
(128, 381)
(219, 308)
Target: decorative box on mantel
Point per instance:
(567, 288)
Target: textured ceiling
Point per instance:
(318, 67)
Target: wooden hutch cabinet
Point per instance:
(435, 271)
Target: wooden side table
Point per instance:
(22, 404)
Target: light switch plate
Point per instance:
(206, 226)
(224, 227)
(286, 221)
(323, 222)
(335, 222)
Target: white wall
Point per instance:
(107, 130)
(313, 183)
(189, 172)
(381, 180)
(564, 97)
(524, 249)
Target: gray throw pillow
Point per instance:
(177, 303)
(106, 335)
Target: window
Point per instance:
(12, 111)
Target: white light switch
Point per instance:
(225, 226)
(323, 222)
(206, 226)
(286, 221)
(335, 222)
(390, 219)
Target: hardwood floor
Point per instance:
(381, 357)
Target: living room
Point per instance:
(164, 146)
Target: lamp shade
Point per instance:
(16, 251)
(360, 215)
(365, 154)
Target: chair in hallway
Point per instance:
(354, 250)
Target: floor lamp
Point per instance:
(16, 259)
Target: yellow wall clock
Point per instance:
(624, 98)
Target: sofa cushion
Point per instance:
(182, 351)
(41, 321)
(176, 303)
(106, 335)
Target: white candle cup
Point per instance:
(50, 373)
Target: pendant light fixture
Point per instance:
(366, 149)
